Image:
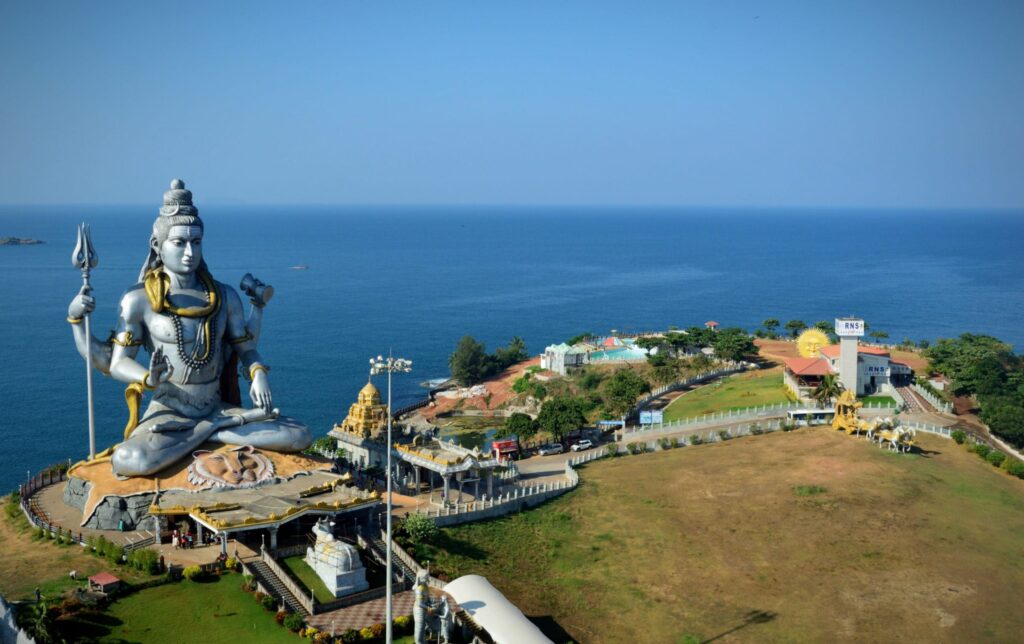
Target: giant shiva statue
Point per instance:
(196, 334)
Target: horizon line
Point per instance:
(490, 205)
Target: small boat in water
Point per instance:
(300, 267)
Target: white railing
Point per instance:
(513, 499)
(686, 382)
(736, 430)
(935, 402)
(717, 418)
(511, 473)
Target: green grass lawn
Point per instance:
(878, 400)
(216, 610)
(307, 578)
(28, 562)
(735, 392)
(810, 535)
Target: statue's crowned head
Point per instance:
(177, 211)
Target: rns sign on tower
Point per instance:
(849, 328)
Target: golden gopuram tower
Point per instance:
(367, 417)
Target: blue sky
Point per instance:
(859, 104)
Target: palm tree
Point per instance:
(771, 324)
(827, 389)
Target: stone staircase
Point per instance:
(914, 402)
(379, 548)
(139, 539)
(266, 577)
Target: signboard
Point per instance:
(652, 417)
(849, 327)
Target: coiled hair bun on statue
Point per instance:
(177, 210)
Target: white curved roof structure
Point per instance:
(505, 623)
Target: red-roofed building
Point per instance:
(104, 582)
(877, 372)
(711, 324)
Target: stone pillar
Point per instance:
(490, 483)
(416, 475)
(224, 543)
(158, 527)
(273, 537)
(447, 485)
(199, 533)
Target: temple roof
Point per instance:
(369, 395)
(808, 366)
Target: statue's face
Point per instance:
(182, 251)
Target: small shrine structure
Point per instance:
(448, 462)
(336, 562)
(361, 433)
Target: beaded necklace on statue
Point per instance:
(157, 284)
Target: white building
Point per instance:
(862, 370)
(561, 358)
(492, 612)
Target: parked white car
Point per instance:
(553, 448)
(586, 443)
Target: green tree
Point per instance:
(538, 391)
(580, 337)
(657, 359)
(825, 326)
(733, 343)
(770, 325)
(827, 389)
(969, 360)
(561, 415)
(468, 361)
(622, 390)
(1005, 416)
(701, 363)
(590, 378)
(666, 373)
(520, 425)
(879, 335)
(698, 337)
(522, 384)
(421, 528)
(511, 354)
(795, 327)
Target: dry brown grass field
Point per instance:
(804, 536)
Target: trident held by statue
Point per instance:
(85, 259)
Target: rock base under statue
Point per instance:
(224, 486)
(113, 512)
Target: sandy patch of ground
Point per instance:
(499, 392)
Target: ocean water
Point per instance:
(414, 280)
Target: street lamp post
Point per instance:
(390, 365)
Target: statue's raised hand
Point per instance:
(160, 368)
(83, 304)
(260, 391)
